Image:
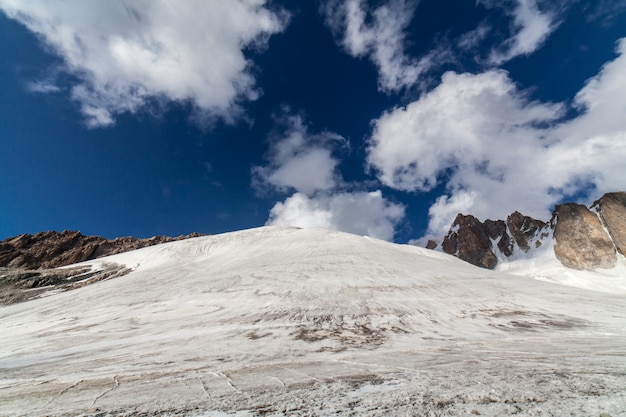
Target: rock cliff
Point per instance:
(580, 239)
(583, 238)
(612, 210)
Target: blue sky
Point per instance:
(382, 118)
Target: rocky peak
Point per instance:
(583, 239)
(525, 229)
(480, 243)
(469, 241)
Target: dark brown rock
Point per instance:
(612, 210)
(54, 249)
(496, 230)
(581, 241)
(469, 241)
(431, 244)
(523, 229)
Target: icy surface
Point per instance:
(281, 321)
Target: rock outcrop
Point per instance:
(583, 239)
(469, 241)
(612, 210)
(580, 239)
(526, 231)
(53, 249)
(480, 243)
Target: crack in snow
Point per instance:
(61, 393)
(117, 384)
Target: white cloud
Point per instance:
(380, 33)
(496, 151)
(446, 208)
(462, 122)
(531, 26)
(362, 213)
(300, 161)
(382, 40)
(303, 162)
(42, 87)
(125, 53)
(474, 38)
(606, 11)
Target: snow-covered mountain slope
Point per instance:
(541, 263)
(279, 321)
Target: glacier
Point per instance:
(286, 321)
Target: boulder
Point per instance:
(581, 242)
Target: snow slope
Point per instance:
(541, 263)
(283, 321)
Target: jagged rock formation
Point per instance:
(53, 249)
(468, 240)
(526, 230)
(473, 241)
(582, 239)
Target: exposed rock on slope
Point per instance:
(53, 249)
(582, 239)
(469, 241)
(479, 243)
(526, 230)
(612, 210)
(19, 285)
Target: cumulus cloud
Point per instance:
(462, 122)
(299, 160)
(531, 27)
(497, 151)
(362, 213)
(124, 54)
(381, 40)
(446, 208)
(306, 165)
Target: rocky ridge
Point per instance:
(583, 238)
(54, 249)
(30, 264)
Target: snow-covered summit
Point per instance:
(310, 322)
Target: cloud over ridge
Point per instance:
(361, 213)
(306, 163)
(496, 151)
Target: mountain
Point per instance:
(283, 321)
(580, 238)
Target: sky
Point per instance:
(383, 118)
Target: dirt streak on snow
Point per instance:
(276, 321)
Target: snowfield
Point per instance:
(283, 321)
